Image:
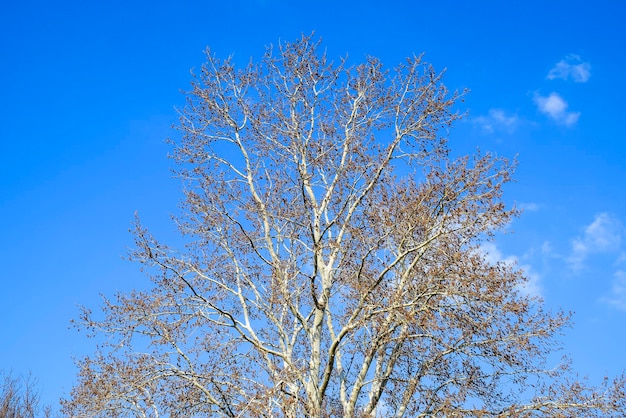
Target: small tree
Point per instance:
(333, 264)
(19, 397)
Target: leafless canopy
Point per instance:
(333, 264)
(19, 397)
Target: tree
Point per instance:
(333, 262)
(19, 398)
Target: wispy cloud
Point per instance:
(493, 255)
(529, 207)
(546, 249)
(555, 107)
(497, 120)
(572, 67)
(603, 235)
(617, 297)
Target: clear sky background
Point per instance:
(89, 91)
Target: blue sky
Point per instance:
(89, 91)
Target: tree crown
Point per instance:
(334, 265)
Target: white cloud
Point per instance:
(556, 108)
(617, 298)
(497, 120)
(493, 255)
(532, 287)
(571, 67)
(546, 248)
(603, 235)
(529, 207)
